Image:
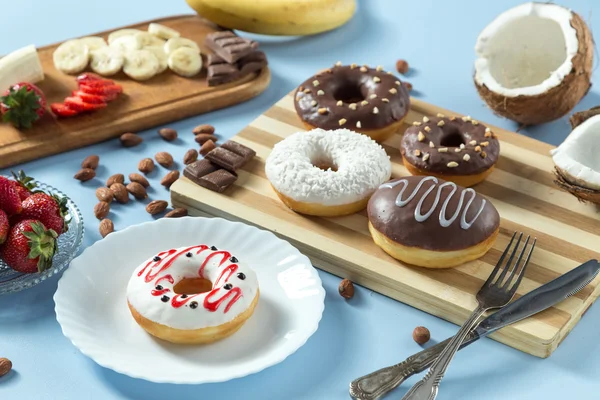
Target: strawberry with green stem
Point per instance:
(25, 185)
(4, 226)
(10, 201)
(49, 209)
(29, 247)
(22, 105)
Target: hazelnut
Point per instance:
(346, 289)
(421, 335)
(402, 66)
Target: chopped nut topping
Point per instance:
(322, 111)
(452, 118)
(425, 119)
(375, 110)
(462, 146)
(342, 121)
(315, 83)
(484, 144)
(487, 134)
(475, 122)
(441, 123)
(418, 153)
(393, 91)
(483, 154)
(457, 150)
(427, 129)
(307, 91)
(379, 68)
(440, 115)
(338, 64)
(473, 142)
(466, 157)
(313, 103)
(339, 103)
(452, 164)
(425, 156)
(487, 130)
(397, 83)
(420, 136)
(358, 124)
(352, 106)
(477, 149)
(376, 79)
(353, 65)
(385, 100)
(320, 93)
(363, 69)
(443, 149)
(416, 123)
(431, 144)
(373, 96)
(466, 118)
(364, 103)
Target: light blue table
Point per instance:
(355, 337)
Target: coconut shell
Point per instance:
(582, 193)
(559, 100)
(579, 118)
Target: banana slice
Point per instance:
(93, 42)
(127, 43)
(161, 56)
(148, 39)
(185, 61)
(140, 64)
(120, 33)
(107, 61)
(71, 57)
(162, 31)
(175, 43)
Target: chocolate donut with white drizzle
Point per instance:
(426, 221)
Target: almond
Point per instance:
(176, 213)
(116, 178)
(90, 162)
(146, 165)
(156, 207)
(207, 147)
(104, 194)
(106, 227)
(135, 177)
(164, 159)
(137, 190)
(130, 139)
(168, 134)
(204, 137)
(5, 366)
(120, 192)
(204, 128)
(170, 178)
(101, 210)
(402, 66)
(85, 174)
(190, 156)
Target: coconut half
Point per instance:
(534, 62)
(577, 165)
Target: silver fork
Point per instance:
(496, 292)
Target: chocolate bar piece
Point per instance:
(220, 72)
(229, 46)
(225, 158)
(218, 180)
(198, 169)
(246, 152)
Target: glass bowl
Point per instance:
(69, 244)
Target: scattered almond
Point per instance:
(156, 207)
(85, 174)
(5, 366)
(135, 177)
(176, 213)
(169, 178)
(146, 165)
(91, 162)
(346, 289)
(120, 192)
(104, 194)
(130, 139)
(204, 137)
(163, 158)
(190, 156)
(207, 147)
(106, 227)
(421, 335)
(116, 178)
(101, 210)
(168, 134)
(402, 66)
(137, 190)
(204, 128)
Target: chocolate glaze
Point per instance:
(352, 85)
(453, 132)
(399, 223)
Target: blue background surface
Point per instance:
(355, 337)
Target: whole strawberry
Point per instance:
(23, 184)
(4, 226)
(48, 209)
(29, 247)
(22, 105)
(10, 201)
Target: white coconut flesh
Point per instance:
(526, 50)
(577, 157)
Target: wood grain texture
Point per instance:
(162, 99)
(520, 187)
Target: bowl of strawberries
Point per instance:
(41, 231)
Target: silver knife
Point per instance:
(380, 382)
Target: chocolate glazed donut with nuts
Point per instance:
(367, 100)
(460, 150)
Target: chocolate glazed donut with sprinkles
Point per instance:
(367, 100)
(460, 150)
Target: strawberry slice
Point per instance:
(62, 110)
(89, 76)
(88, 97)
(79, 105)
(110, 92)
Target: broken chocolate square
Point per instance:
(246, 152)
(225, 158)
(198, 169)
(218, 180)
(229, 46)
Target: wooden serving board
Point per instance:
(520, 187)
(162, 99)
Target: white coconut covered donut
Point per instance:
(327, 173)
(195, 294)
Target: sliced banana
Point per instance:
(107, 61)
(127, 43)
(120, 33)
(148, 39)
(185, 61)
(175, 43)
(162, 31)
(71, 57)
(140, 64)
(93, 42)
(161, 56)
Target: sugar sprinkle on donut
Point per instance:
(353, 65)
(416, 123)
(364, 103)
(339, 103)
(478, 148)
(322, 110)
(431, 144)
(352, 106)
(427, 129)
(342, 121)
(385, 100)
(313, 103)
(375, 110)
(379, 68)
(466, 157)
(420, 136)
(373, 96)
(393, 91)
(376, 79)
(358, 124)
(417, 152)
(473, 142)
(452, 164)
(425, 119)
(320, 92)
(443, 149)
(363, 69)
(425, 156)
(441, 123)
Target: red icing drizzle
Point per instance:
(225, 254)
(170, 259)
(177, 301)
(230, 269)
(160, 292)
(214, 305)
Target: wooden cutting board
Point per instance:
(162, 99)
(520, 187)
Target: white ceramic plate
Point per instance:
(92, 310)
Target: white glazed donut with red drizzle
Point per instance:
(195, 294)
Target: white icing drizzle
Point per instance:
(444, 222)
